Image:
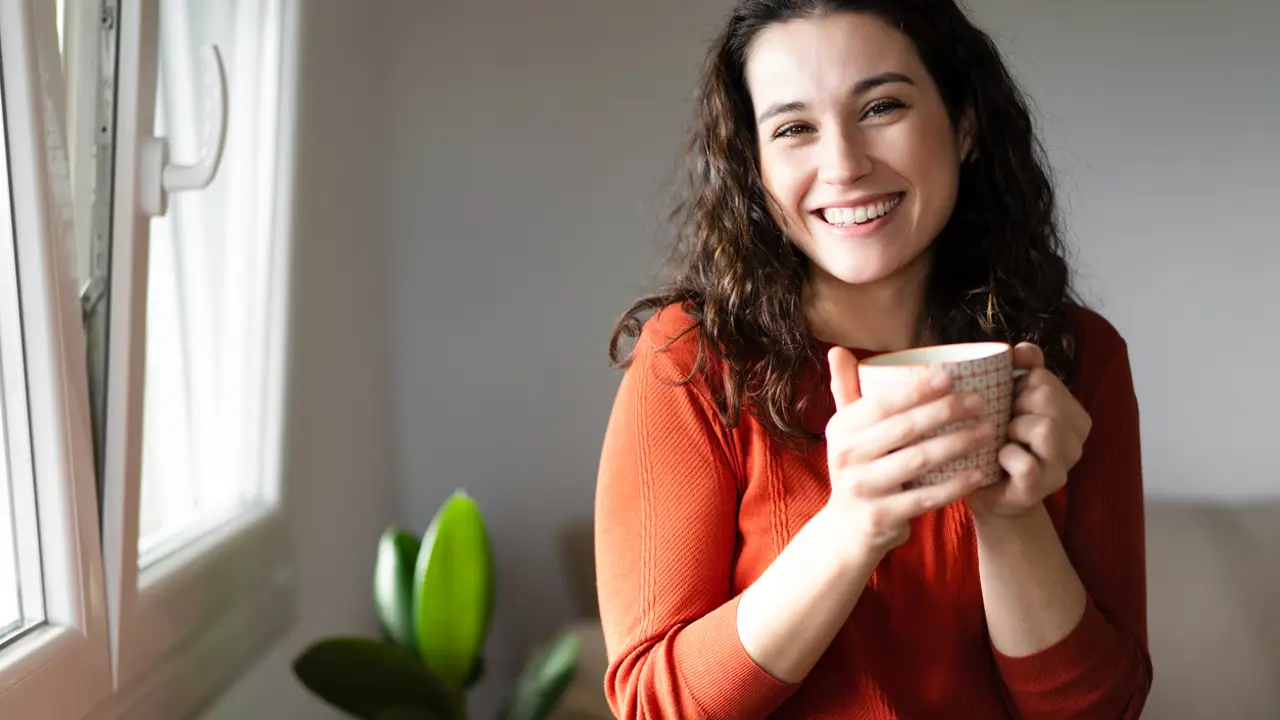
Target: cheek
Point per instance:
(935, 172)
(782, 179)
(785, 190)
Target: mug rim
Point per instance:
(995, 347)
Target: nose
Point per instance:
(844, 158)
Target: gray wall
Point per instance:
(511, 156)
(529, 142)
(1161, 119)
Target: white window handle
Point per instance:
(159, 177)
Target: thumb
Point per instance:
(1028, 355)
(844, 376)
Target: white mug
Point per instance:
(985, 368)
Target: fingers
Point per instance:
(1018, 462)
(1038, 433)
(1030, 480)
(871, 410)
(1044, 394)
(912, 503)
(1035, 399)
(903, 429)
(844, 376)
(887, 474)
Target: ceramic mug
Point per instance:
(985, 368)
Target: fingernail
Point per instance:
(986, 431)
(974, 402)
(941, 380)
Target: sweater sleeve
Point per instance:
(1102, 669)
(666, 528)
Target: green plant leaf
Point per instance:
(453, 590)
(544, 680)
(393, 586)
(366, 677)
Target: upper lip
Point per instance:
(858, 202)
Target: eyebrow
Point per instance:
(864, 86)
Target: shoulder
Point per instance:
(670, 343)
(1100, 348)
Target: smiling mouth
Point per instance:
(846, 217)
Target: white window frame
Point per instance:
(120, 642)
(71, 648)
(189, 624)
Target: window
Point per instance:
(212, 271)
(21, 589)
(56, 628)
(146, 149)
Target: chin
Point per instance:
(863, 270)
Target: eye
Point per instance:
(791, 130)
(883, 107)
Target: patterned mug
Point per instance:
(985, 368)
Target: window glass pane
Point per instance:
(21, 590)
(10, 597)
(209, 285)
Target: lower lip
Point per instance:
(862, 229)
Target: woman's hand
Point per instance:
(874, 448)
(1046, 434)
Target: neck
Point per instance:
(880, 316)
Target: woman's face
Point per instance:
(856, 146)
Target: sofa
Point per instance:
(1213, 585)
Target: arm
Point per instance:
(1031, 592)
(666, 528)
(1067, 617)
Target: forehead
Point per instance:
(811, 57)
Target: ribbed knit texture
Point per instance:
(689, 514)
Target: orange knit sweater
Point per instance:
(689, 514)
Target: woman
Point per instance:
(865, 178)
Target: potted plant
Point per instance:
(434, 599)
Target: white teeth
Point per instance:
(843, 217)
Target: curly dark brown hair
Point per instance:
(1001, 268)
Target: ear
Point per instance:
(967, 136)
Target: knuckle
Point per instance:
(1020, 429)
(946, 410)
(1042, 394)
(906, 428)
(879, 517)
(964, 439)
(1042, 433)
(923, 392)
(837, 458)
(929, 502)
(916, 460)
(1026, 464)
(857, 482)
